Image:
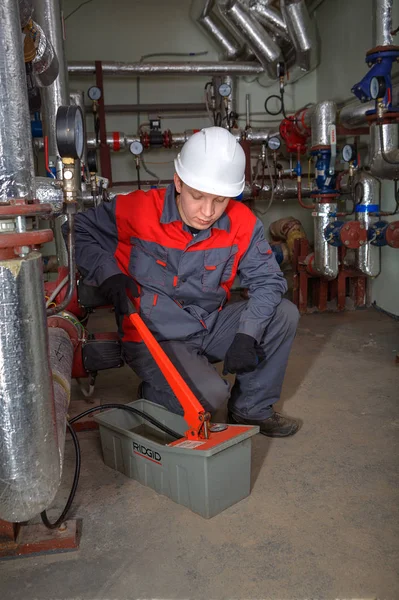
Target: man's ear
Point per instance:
(177, 182)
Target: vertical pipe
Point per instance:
(17, 176)
(29, 448)
(105, 154)
(48, 15)
(383, 23)
(367, 257)
(247, 111)
(325, 255)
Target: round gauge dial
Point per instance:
(136, 148)
(94, 93)
(224, 90)
(70, 131)
(273, 143)
(377, 87)
(348, 153)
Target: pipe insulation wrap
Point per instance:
(302, 30)
(47, 192)
(45, 64)
(215, 29)
(29, 451)
(61, 359)
(383, 23)
(323, 115)
(166, 68)
(325, 255)
(367, 257)
(270, 18)
(379, 166)
(17, 177)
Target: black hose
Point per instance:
(72, 493)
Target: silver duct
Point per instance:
(384, 150)
(323, 115)
(17, 176)
(259, 40)
(166, 68)
(45, 64)
(382, 22)
(367, 257)
(302, 30)
(325, 255)
(201, 13)
(48, 15)
(246, 53)
(270, 17)
(29, 452)
(353, 115)
(284, 189)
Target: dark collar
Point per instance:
(170, 212)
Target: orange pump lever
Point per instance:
(194, 412)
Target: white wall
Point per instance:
(346, 31)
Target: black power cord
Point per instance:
(72, 493)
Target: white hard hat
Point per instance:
(212, 161)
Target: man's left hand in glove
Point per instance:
(241, 357)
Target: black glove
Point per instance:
(114, 289)
(241, 357)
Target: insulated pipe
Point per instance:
(384, 150)
(48, 15)
(382, 23)
(29, 446)
(367, 257)
(201, 12)
(284, 189)
(270, 17)
(259, 40)
(302, 32)
(45, 64)
(17, 175)
(353, 113)
(325, 255)
(119, 69)
(323, 116)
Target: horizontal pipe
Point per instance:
(152, 108)
(118, 69)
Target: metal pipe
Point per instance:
(29, 449)
(247, 111)
(325, 255)
(201, 12)
(48, 15)
(270, 17)
(71, 269)
(17, 175)
(384, 152)
(302, 32)
(353, 113)
(153, 108)
(45, 64)
(367, 257)
(382, 23)
(119, 69)
(284, 189)
(323, 116)
(258, 39)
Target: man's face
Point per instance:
(198, 209)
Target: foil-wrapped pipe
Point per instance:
(25, 12)
(302, 32)
(270, 17)
(325, 255)
(367, 257)
(201, 13)
(284, 189)
(119, 69)
(383, 23)
(45, 64)
(17, 175)
(258, 39)
(323, 116)
(384, 150)
(246, 52)
(48, 15)
(260, 135)
(61, 359)
(48, 192)
(29, 451)
(353, 115)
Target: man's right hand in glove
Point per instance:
(114, 289)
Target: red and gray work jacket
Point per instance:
(184, 280)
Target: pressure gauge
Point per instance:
(273, 143)
(70, 131)
(224, 90)
(94, 93)
(348, 153)
(136, 148)
(377, 87)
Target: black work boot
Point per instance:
(275, 426)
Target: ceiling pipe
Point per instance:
(302, 31)
(270, 17)
(119, 69)
(211, 24)
(382, 14)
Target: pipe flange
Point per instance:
(389, 117)
(353, 235)
(382, 49)
(392, 234)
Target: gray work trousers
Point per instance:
(252, 394)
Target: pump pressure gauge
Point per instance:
(348, 153)
(136, 148)
(94, 93)
(273, 143)
(377, 87)
(70, 131)
(224, 90)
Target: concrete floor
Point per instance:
(321, 521)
